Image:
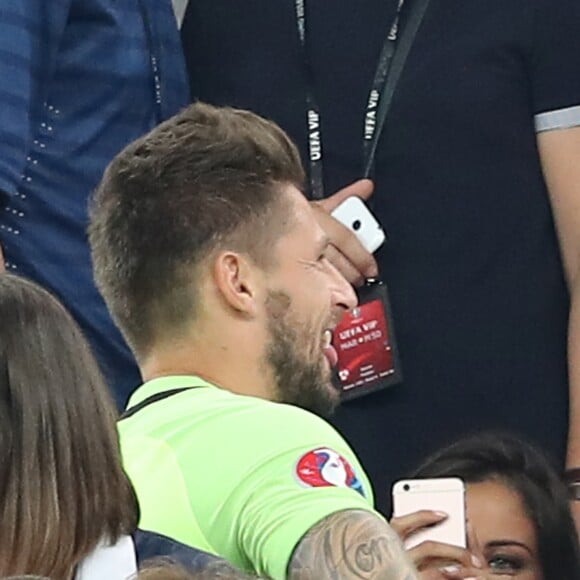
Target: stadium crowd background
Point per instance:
(475, 179)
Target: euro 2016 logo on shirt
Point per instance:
(324, 467)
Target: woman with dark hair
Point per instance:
(67, 509)
(517, 507)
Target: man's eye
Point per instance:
(505, 564)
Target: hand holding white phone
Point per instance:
(442, 495)
(356, 216)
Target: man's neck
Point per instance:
(231, 369)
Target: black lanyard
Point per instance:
(150, 400)
(388, 71)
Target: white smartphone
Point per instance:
(445, 494)
(357, 217)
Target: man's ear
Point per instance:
(237, 280)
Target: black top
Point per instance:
(478, 293)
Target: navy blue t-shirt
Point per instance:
(472, 263)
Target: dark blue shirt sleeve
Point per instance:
(30, 31)
(555, 66)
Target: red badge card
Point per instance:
(364, 340)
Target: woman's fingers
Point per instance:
(456, 573)
(473, 543)
(435, 554)
(407, 525)
(463, 573)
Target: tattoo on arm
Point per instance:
(352, 544)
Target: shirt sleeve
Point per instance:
(30, 32)
(556, 64)
(302, 472)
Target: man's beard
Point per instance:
(298, 381)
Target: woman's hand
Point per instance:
(436, 560)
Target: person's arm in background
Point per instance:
(556, 100)
(30, 34)
(560, 155)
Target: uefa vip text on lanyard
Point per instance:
(387, 73)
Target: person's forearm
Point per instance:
(351, 544)
(573, 458)
(559, 152)
(573, 455)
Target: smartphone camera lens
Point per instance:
(356, 225)
(406, 487)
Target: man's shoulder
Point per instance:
(274, 417)
(282, 413)
(176, 399)
(203, 411)
(264, 421)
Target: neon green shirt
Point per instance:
(238, 476)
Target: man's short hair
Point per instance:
(203, 179)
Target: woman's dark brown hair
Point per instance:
(62, 487)
(515, 463)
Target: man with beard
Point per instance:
(214, 267)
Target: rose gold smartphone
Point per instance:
(445, 494)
